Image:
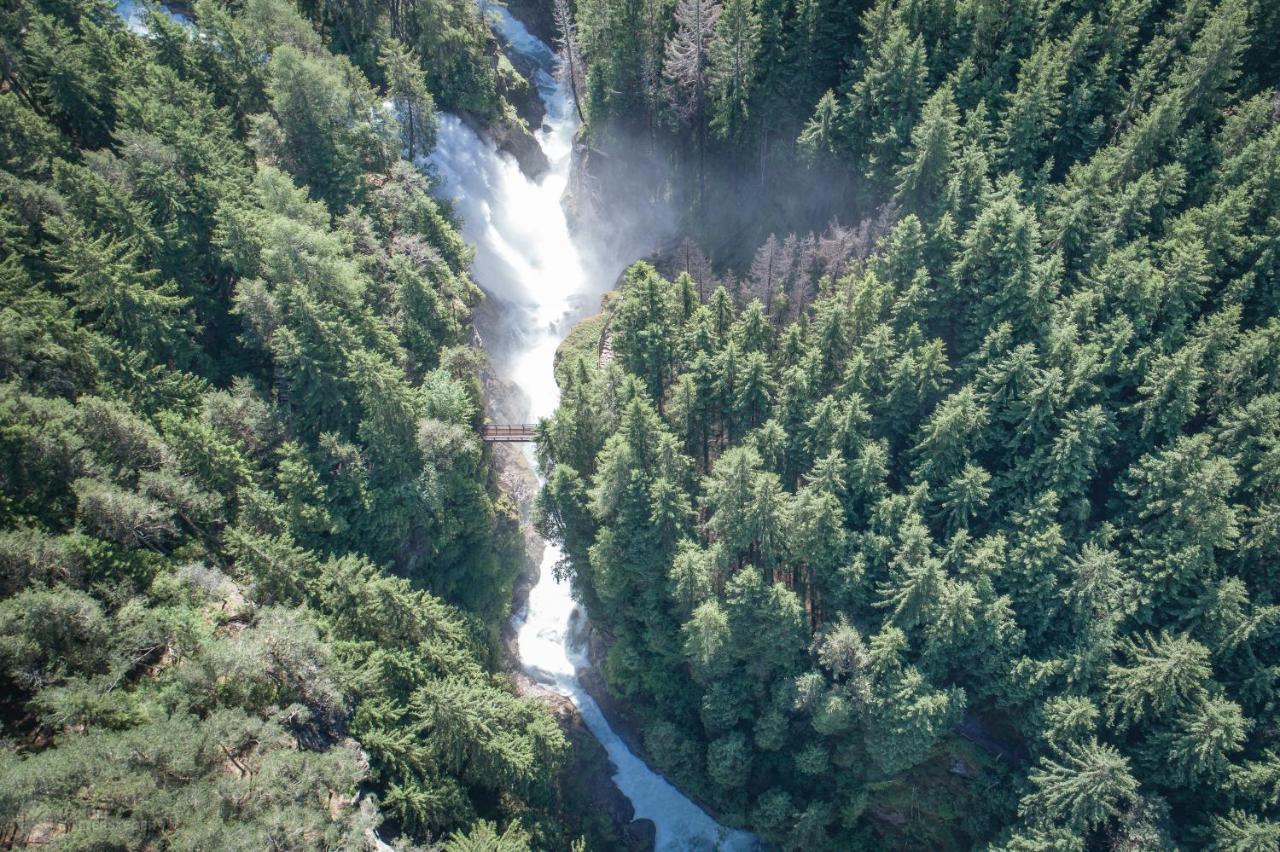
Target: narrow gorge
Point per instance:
(540, 283)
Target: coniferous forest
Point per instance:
(252, 562)
(924, 493)
(957, 527)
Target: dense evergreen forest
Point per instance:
(951, 524)
(252, 562)
(958, 528)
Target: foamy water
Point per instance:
(527, 260)
(131, 11)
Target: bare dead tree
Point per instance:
(766, 272)
(689, 258)
(794, 266)
(807, 272)
(785, 274)
(685, 69)
(570, 56)
(733, 285)
(835, 248)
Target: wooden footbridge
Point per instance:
(509, 433)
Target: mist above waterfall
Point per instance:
(540, 275)
(539, 280)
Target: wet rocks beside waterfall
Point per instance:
(537, 16)
(587, 779)
(581, 200)
(517, 83)
(510, 136)
(527, 103)
(522, 113)
(596, 175)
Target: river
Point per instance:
(527, 260)
(528, 263)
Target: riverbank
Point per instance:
(589, 338)
(587, 780)
(542, 272)
(606, 816)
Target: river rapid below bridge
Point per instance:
(527, 261)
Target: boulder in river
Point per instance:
(511, 136)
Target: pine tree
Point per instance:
(415, 108)
(1164, 674)
(318, 129)
(1239, 831)
(884, 103)
(117, 297)
(997, 263)
(821, 135)
(687, 72)
(1089, 785)
(1030, 122)
(732, 68)
(922, 179)
(1199, 749)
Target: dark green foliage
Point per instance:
(251, 558)
(459, 57)
(978, 532)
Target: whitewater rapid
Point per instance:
(526, 259)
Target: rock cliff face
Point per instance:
(514, 139)
(581, 198)
(536, 15)
(587, 779)
(523, 111)
(523, 95)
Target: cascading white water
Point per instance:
(526, 259)
(131, 12)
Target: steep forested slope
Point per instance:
(969, 539)
(744, 91)
(251, 567)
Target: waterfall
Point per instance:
(131, 12)
(527, 261)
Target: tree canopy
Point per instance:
(956, 528)
(253, 558)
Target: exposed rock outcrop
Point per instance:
(589, 775)
(537, 17)
(523, 96)
(515, 139)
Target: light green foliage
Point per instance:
(1159, 676)
(251, 559)
(1090, 784)
(969, 542)
(1242, 832)
(320, 126)
(484, 837)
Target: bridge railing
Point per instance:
(509, 432)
